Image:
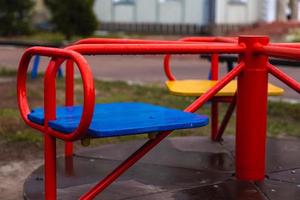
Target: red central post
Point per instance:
(252, 111)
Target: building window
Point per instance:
(238, 2)
(126, 2)
(165, 1)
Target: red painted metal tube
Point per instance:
(226, 119)
(123, 41)
(69, 83)
(251, 112)
(143, 41)
(284, 78)
(157, 49)
(88, 85)
(214, 116)
(50, 166)
(167, 57)
(214, 67)
(183, 48)
(152, 143)
(214, 104)
(211, 39)
(214, 90)
(167, 68)
(290, 45)
(88, 102)
(280, 52)
(227, 39)
(69, 101)
(50, 144)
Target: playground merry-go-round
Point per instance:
(243, 166)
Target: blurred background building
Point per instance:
(186, 16)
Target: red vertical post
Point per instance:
(214, 104)
(252, 112)
(50, 141)
(50, 167)
(69, 101)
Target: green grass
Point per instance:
(283, 117)
(52, 37)
(58, 38)
(293, 35)
(4, 72)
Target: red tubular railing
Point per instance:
(182, 48)
(211, 39)
(50, 100)
(216, 133)
(284, 78)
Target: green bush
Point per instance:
(73, 17)
(15, 17)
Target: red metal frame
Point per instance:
(214, 104)
(70, 79)
(216, 132)
(252, 72)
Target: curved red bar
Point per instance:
(88, 85)
(167, 68)
(167, 57)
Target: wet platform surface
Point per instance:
(185, 168)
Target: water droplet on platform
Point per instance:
(92, 160)
(203, 181)
(293, 171)
(273, 190)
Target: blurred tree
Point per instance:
(15, 17)
(73, 17)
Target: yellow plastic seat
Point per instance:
(199, 87)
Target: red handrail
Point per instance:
(88, 84)
(201, 40)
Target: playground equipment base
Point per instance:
(183, 168)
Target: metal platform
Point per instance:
(185, 168)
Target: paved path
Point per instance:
(143, 69)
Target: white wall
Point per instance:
(124, 13)
(269, 10)
(180, 11)
(146, 11)
(194, 11)
(238, 13)
(103, 10)
(170, 12)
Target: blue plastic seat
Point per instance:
(119, 119)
